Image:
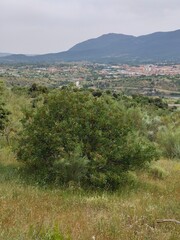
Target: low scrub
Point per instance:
(169, 141)
(157, 172)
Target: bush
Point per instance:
(76, 136)
(3, 117)
(169, 141)
(157, 172)
(3, 111)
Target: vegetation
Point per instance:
(3, 116)
(3, 111)
(119, 78)
(170, 142)
(63, 151)
(31, 212)
(77, 137)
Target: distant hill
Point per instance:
(5, 54)
(115, 48)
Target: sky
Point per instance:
(43, 26)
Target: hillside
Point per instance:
(32, 209)
(5, 54)
(117, 48)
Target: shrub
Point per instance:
(3, 117)
(3, 111)
(157, 172)
(77, 136)
(169, 141)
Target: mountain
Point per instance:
(5, 54)
(115, 48)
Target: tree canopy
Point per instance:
(92, 140)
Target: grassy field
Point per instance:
(28, 211)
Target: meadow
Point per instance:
(35, 211)
(30, 211)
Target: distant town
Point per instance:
(149, 79)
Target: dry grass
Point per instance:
(31, 212)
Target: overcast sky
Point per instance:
(42, 26)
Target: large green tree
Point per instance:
(80, 137)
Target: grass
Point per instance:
(32, 212)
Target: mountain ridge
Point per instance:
(5, 54)
(114, 47)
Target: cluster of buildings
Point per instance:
(141, 70)
(148, 79)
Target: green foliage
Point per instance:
(47, 234)
(169, 141)
(3, 111)
(35, 90)
(76, 136)
(3, 116)
(71, 169)
(157, 172)
(154, 102)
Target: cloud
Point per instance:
(37, 26)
